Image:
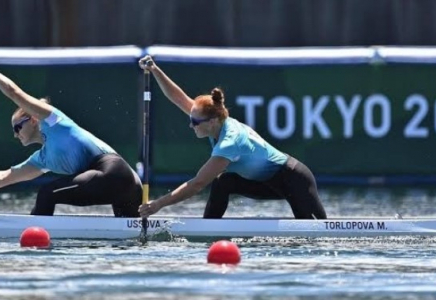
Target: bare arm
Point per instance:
(11, 176)
(171, 90)
(210, 170)
(29, 104)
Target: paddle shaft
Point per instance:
(145, 135)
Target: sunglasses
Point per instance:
(196, 122)
(18, 126)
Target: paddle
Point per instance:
(145, 136)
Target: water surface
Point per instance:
(271, 268)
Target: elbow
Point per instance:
(197, 185)
(4, 178)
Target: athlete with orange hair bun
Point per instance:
(242, 162)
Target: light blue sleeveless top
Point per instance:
(67, 149)
(250, 155)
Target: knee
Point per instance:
(224, 182)
(45, 194)
(45, 202)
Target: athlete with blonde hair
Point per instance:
(94, 174)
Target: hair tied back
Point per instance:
(217, 96)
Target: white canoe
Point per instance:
(109, 227)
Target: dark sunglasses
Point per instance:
(196, 122)
(18, 126)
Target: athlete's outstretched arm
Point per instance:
(11, 176)
(171, 90)
(29, 104)
(208, 172)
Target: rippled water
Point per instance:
(271, 268)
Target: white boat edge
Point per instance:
(109, 227)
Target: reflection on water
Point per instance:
(274, 267)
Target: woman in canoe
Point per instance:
(94, 173)
(241, 162)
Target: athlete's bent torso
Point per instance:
(258, 170)
(94, 173)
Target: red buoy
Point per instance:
(224, 252)
(35, 237)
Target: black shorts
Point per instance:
(108, 180)
(294, 182)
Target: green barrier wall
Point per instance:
(351, 116)
(366, 119)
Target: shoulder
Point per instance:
(235, 131)
(55, 117)
(232, 127)
(231, 137)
